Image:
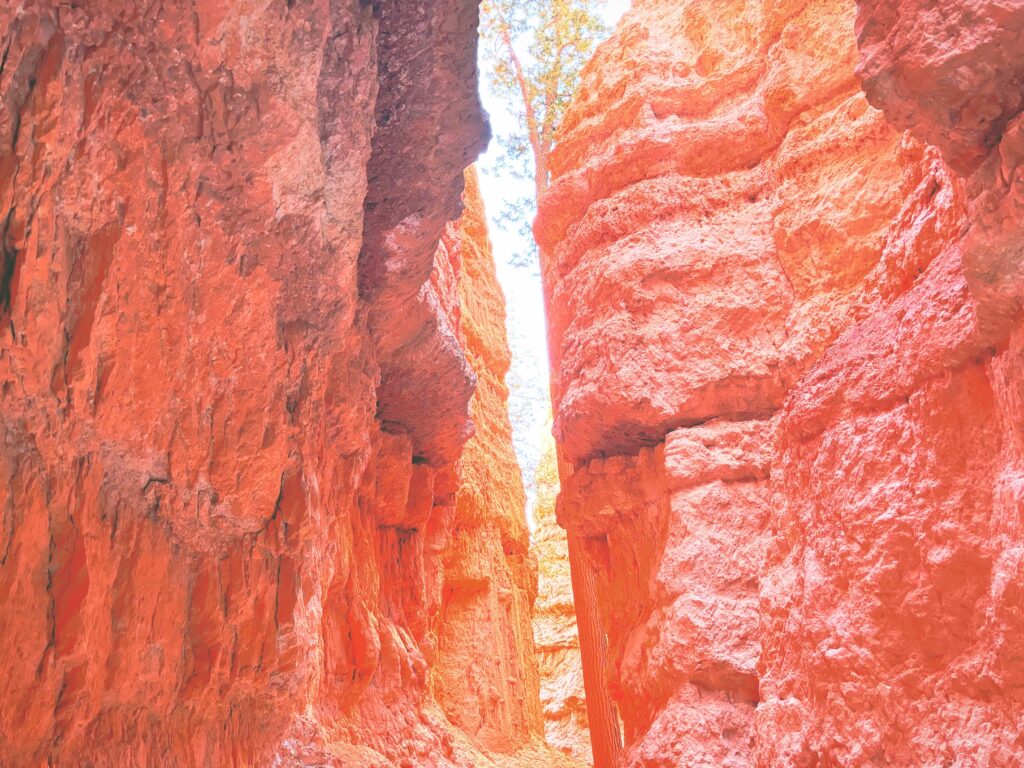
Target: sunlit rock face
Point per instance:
(485, 673)
(554, 622)
(789, 374)
(240, 521)
(900, 477)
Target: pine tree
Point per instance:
(534, 51)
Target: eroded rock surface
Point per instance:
(788, 378)
(485, 673)
(236, 376)
(554, 622)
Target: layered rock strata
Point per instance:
(787, 361)
(239, 526)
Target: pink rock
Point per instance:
(787, 371)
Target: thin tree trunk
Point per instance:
(602, 717)
(533, 130)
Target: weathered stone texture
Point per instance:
(554, 622)
(236, 375)
(787, 373)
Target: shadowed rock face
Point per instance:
(951, 74)
(787, 371)
(947, 71)
(425, 49)
(236, 374)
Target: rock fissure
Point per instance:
(8, 262)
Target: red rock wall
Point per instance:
(900, 472)
(236, 375)
(485, 674)
(787, 361)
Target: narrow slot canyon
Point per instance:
(267, 493)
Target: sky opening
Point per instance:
(529, 399)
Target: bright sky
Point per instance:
(522, 287)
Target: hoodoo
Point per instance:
(259, 501)
(783, 261)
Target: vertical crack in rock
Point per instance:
(8, 261)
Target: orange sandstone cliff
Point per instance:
(486, 675)
(783, 256)
(554, 623)
(241, 356)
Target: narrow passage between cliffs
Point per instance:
(561, 622)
